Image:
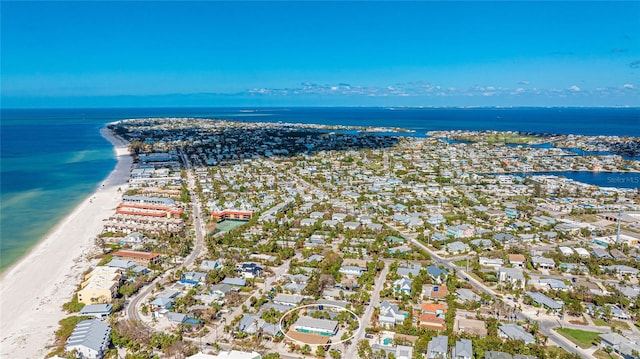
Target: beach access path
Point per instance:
(33, 290)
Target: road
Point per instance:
(131, 310)
(546, 325)
(366, 317)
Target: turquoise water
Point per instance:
(48, 167)
(52, 159)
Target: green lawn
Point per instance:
(582, 338)
(462, 263)
(600, 322)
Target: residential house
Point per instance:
(543, 262)
(545, 301)
(291, 300)
(463, 350)
(193, 278)
(457, 247)
(621, 345)
(438, 348)
(437, 292)
(99, 311)
(351, 270)
(515, 332)
(514, 276)
(208, 265)
(237, 282)
(316, 326)
(402, 286)
(467, 295)
(516, 260)
(146, 259)
(90, 339)
(621, 270)
(437, 274)
(491, 262)
(250, 270)
(390, 315)
(460, 231)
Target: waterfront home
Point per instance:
(90, 339)
(438, 347)
(99, 311)
(390, 315)
(146, 259)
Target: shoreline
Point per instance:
(33, 289)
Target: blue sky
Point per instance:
(207, 53)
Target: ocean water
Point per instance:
(52, 159)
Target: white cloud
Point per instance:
(574, 88)
(627, 86)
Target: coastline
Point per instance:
(33, 289)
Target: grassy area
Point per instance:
(600, 322)
(621, 325)
(582, 338)
(601, 354)
(462, 263)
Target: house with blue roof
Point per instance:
(436, 273)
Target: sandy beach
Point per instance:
(33, 290)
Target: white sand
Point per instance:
(33, 290)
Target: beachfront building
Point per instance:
(90, 339)
(310, 325)
(99, 311)
(100, 285)
(140, 258)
